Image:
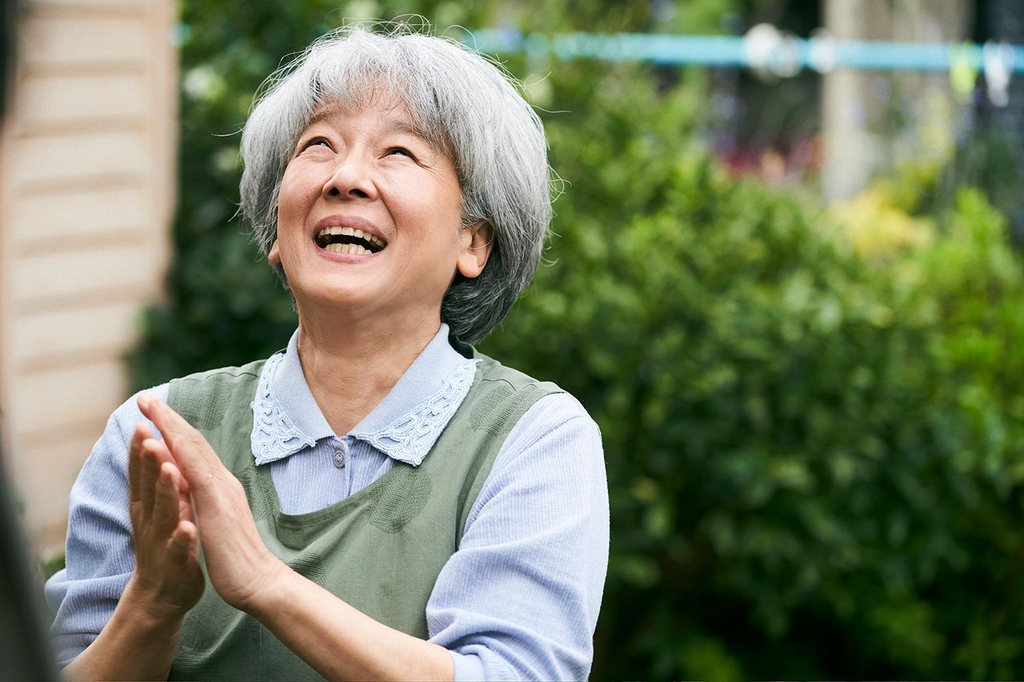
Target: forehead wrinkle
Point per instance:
(397, 126)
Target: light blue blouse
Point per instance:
(518, 600)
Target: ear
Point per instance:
(274, 256)
(477, 242)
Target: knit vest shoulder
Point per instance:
(380, 549)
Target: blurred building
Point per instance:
(846, 125)
(855, 104)
(87, 167)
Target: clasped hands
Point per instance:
(183, 497)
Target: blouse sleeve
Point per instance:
(99, 554)
(520, 598)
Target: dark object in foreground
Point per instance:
(23, 647)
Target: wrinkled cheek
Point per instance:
(298, 189)
(292, 210)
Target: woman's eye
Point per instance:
(402, 151)
(316, 142)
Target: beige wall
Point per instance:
(86, 196)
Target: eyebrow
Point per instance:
(391, 124)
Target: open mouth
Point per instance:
(349, 240)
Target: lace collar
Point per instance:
(404, 426)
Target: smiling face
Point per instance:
(369, 218)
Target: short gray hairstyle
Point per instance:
(463, 103)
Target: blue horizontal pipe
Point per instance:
(730, 50)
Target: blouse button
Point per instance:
(339, 458)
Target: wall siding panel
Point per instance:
(53, 161)
(67, 219)
(61, 336)
(87, 164)
(67, 100)
(71, 394)
(70, 275)
(78, 42)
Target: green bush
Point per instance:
(813, 455)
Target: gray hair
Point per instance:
(464, 104)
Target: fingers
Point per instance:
(156, 485)
(235, 554)
(153, 456)
(142, 432)
(185, 500)
(165, 536)
(189, 448)
(166, 511)
(183, 542)
(150, 472)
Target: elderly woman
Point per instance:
(377, 500)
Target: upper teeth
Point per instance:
(352, 232)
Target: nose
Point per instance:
(352, 178)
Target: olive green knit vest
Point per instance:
(380, 549)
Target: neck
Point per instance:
(350, 366)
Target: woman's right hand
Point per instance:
(140, 640)
(168, 579)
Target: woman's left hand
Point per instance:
(238, 562)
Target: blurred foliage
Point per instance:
(877, 225)
(989, 159)
(813, 445)
(53, 565)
